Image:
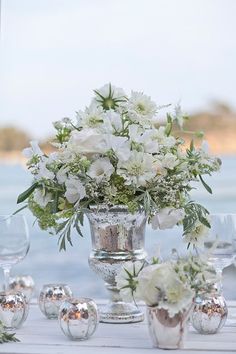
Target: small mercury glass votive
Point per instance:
(51, 297)
(78, 318)
(209, 313)
(24, 283)
(13, 309)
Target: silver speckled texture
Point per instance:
(167, 332)
(117, 237)
(13, 309)
(78, 318)
(51, 297)
(24, 284)
(209, 313)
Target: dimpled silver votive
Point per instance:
(23, 283)
(51, 297)
(209, 313)
(78, 318)
(13, 309)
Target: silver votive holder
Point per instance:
(209, 313)
(23, 283)
(78, 318)
(51, 297)
(13, 309)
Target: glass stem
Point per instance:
(6, 270)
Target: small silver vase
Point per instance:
(117, 237)
(209, 313)
(167, 332)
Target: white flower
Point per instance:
(33, 150)
(43, 171)
(100, 169)
(159, 285)
(109, 96)
(198, 236)
(88, 141)
(138, 169)
(167, 218)
(141, 108)
(179, 116)
(75, 190)
(42, 198)
(112, 122)
(151, 282)
(166, 141)
(110, 90)
(145, 138)
(62, 174)
(92, 117)
(169, 161)
(120, 145)
(122, 279)
(178, 296)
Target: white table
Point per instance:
(42, 336)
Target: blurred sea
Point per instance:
(46, 264)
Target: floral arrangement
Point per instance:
(171, 285)
(118, 151)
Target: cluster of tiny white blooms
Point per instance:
(117, 152)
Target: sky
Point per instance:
(53, 53)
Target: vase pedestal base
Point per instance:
(120, 312)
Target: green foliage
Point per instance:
(6, 337)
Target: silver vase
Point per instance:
(167, 332)
(117, 237)
(209, 313)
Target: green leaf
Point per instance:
(18, 210)
(23, 196)
(192, 145)
(209, 190)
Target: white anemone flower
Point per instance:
(140, 108)
(138, 169)
(34, 150)
(101, 169)
(42, 198)
(75, 190)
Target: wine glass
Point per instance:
(221, 242)
(14, 242)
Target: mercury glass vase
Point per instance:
(117, 237)
(167, 332)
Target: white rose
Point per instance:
(100, 169)
(167, 218)
(75, 190)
